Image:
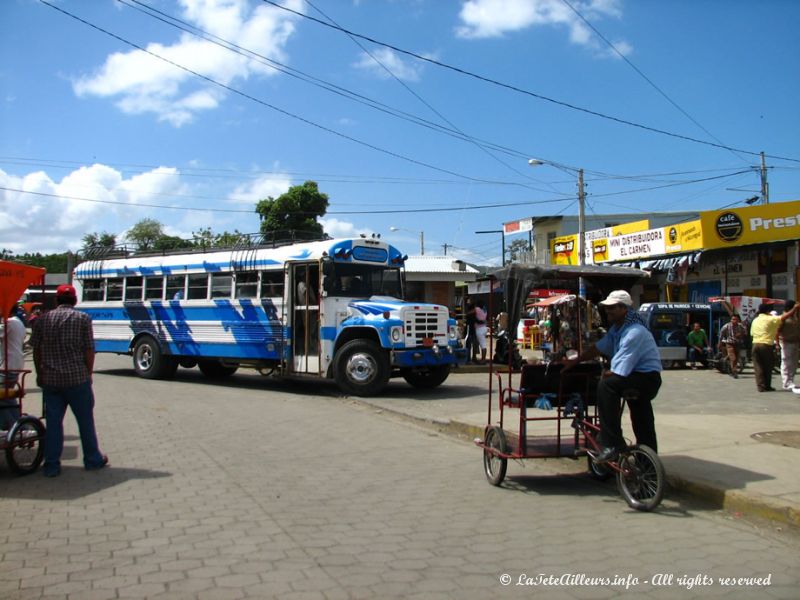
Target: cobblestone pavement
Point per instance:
(264, 489)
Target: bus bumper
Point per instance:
(428, 357)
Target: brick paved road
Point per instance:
(263, 489)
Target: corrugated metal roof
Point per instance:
(438, 264)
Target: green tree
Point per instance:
(145, 234)
(105, 239)
(171, 242)
(294, 213)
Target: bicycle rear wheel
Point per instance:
(493, 465)
(25, 446)
(641, 478)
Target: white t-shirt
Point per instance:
(16, 338)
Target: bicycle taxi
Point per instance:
(23, 440)
(540, 412)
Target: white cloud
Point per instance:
(493, 18)
(272, 185)
(90, 199)
(338, 229)
(388, 59)
(145, 84)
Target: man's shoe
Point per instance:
(102, 464)
(52, 472)
(605, 455)
(735, 375)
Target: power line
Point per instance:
(276, 108)
(332, 212)
(646, 78)
(522, 90)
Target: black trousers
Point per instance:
(763, 361)
(609, 396)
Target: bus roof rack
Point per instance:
(244, 241)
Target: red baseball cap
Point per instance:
(66, 290)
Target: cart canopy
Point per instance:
(519, 279)
(14, 280)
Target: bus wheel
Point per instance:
(361, 368)
(427, 377)
(213, 369)
(149, 362)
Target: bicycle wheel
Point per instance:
(25, 446)
(493, 465)
(641, 478)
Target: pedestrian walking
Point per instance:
(789, 335)
(764, 330)
(732, 338)
(63, 353)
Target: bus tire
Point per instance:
(361, 368)
(427, 377)
(213, 369)
(150, 362)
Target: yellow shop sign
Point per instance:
(751, 225)
(684, 237)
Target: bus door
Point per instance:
(305, 318)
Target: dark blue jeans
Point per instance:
(609, 396)
(80, 399)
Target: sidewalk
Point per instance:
(721, 441)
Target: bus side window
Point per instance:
(272, 284)
(133, 288)
(93, 290)
(175, 287)
(221, 285)
(153, 288)
(114, 289)
(198, 286)
(246, 285)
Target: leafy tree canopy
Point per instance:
(145, 234)
(294, 213)
(105, 239)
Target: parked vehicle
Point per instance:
(670, 323)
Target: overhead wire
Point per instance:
(647, 79)
(276, 108)
(523, 91)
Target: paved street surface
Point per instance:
(265, 489)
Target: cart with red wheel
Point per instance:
(22, 438)
(542, 411)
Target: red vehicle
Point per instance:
(23, 442)
(571, 430)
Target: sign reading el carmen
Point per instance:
(714, 229)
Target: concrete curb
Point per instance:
(752, 505)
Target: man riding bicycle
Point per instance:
(635, 364)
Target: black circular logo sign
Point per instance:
(729, 226)
(673, 235)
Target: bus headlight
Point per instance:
(397, 334)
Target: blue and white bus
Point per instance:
(328, 309)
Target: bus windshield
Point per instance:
(363, 281)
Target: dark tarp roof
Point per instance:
(519, 279)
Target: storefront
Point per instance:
(750, 251)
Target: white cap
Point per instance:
(618, 297)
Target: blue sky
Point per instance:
(107, 134)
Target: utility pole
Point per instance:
(764, 183)
(581, 231)
(445, 248)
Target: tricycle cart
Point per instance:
(23, 440)
(568, 425)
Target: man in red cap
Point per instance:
(63, 352)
